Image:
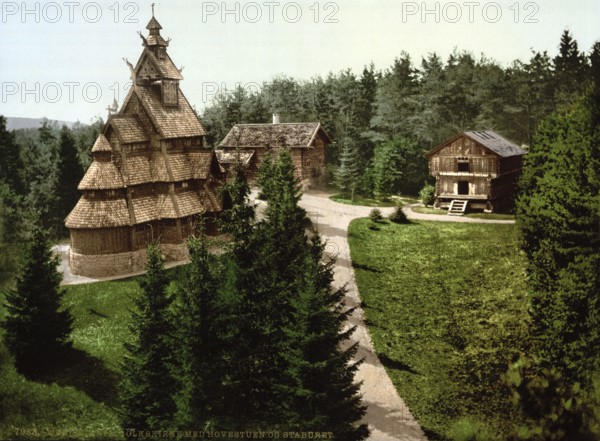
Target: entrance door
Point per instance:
(463, 187)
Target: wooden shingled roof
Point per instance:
(101, 145)
(102, 175)
(128, 128)
(170, 122)
(94, 213)
(294, 135)
(490, 140)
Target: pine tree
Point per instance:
(69, 175)
(148, 382)
(324, 394)
(10, 160)
(347, 176)
(37, 327)
(570, 67)
(200, 399)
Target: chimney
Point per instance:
(276, 118)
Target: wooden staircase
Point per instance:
(457, 207)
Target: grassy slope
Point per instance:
(445, 304)
(79, 400)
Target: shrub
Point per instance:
(427, 195)
(375, 215)
(399, 217)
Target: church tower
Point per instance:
(151, 176)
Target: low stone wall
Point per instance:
(106, 265)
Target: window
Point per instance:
(463, 165)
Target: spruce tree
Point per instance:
(324, 394)
(148, 382)
(10, 160)
(347, 176)
(199, 400)
(69, 175)
(37, 327)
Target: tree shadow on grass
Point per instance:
(395, 364)
(78, 369)
(366, 267)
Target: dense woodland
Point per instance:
(383, 122)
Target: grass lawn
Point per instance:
(445, 304)
(490, 216)
(78, 400)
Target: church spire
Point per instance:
(154, 41)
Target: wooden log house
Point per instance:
(249, 143)
(150, 177)
(476, 171)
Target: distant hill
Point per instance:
(13, 123)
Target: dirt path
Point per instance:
(387, 415)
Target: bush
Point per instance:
(399, 217)
(427, 195)
(375, 215)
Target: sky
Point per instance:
(64, 60)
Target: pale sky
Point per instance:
(63, 59)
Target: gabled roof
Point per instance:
(101, 144)
(128, 128)
(490, 140)
(165, 66)
(170, 122)
(294, 135)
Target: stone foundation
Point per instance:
(107, 265)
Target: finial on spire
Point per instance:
(152, 9)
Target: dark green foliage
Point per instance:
(560, 223)
(556, 409)
(10, 160)
(427, 195)
(558, 216)
(69, 173)
(399, 217)
(347, 175)
(398, 166)
(375, 215)
(148, 383)
(11, 234)
(198, 352)
(324, 395)
(571, 68)
(37, 328)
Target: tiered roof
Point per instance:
(144, 120)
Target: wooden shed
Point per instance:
(150, 177)
(477, 171)
(251, 142)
